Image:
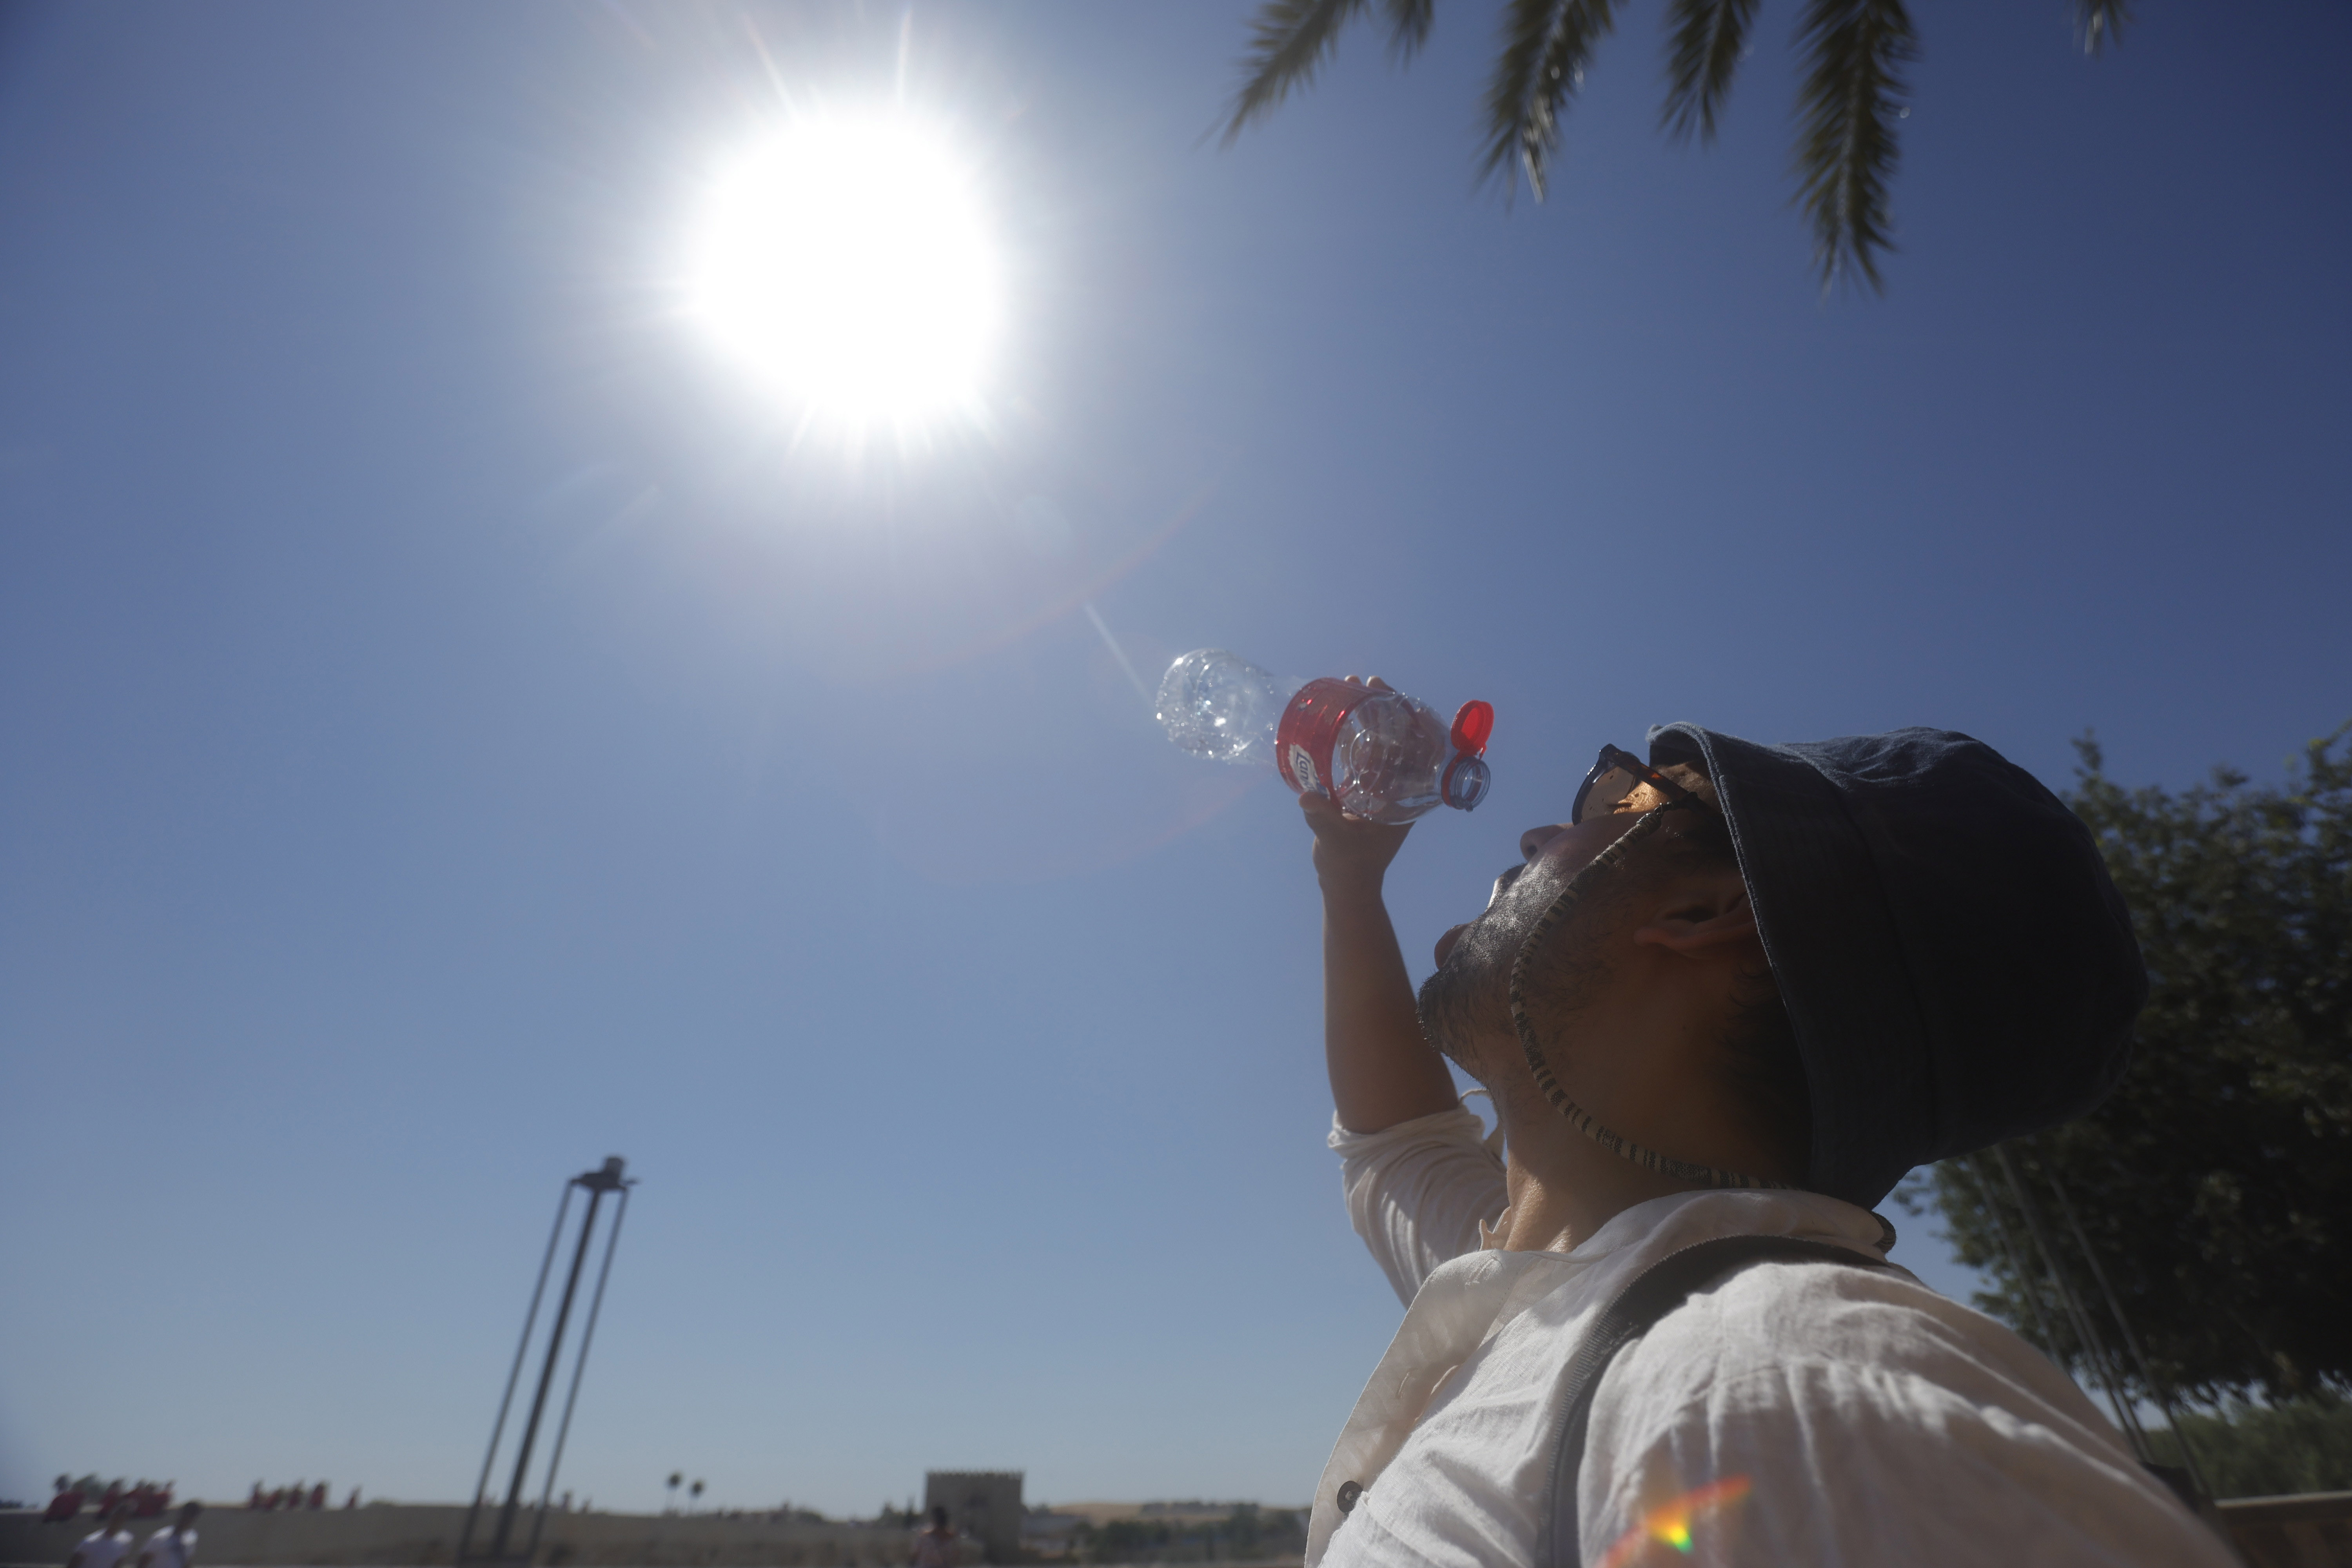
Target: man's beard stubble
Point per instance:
(1465, 1006)
(1458, 1005)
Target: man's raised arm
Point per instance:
(1382, 1070)
(1418, 1179)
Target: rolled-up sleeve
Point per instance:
(1418, 1191)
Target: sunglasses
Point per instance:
(1617, 774)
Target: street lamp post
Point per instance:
(596, 1183)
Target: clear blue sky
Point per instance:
(446, 736)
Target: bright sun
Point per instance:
(848, 263)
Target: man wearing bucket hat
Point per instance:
(1720, 1009)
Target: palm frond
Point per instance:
(1547, 44)
(2101, 22)
(1846, 149)
(1288, 40)
(1708, 38)
(1409, 22)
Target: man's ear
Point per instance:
(1700, 916)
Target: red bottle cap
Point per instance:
(1473, 724)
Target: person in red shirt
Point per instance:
(66, 1504)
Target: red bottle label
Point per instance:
(1309, 726)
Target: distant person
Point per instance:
(105, 1546)
(66, 1504)
(935, 1547)
(353, 1500)
(318, 1497)
(174, 1545)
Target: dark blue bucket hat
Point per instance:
(1957, 962)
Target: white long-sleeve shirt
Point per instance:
(1843, 1415)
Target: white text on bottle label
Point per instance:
(1302, 768)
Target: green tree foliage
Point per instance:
(2257, 1450)
(2214, 1188)
(1849, 102)
(1248, 1533)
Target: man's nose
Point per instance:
(1532, 841)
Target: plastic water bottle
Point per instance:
(1380, 754)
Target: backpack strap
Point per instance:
(1655, 1292)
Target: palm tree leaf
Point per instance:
(1846, 149)
(1289, 40)
(1708, 38)
(1547, 44)
(1409, 22)
(2101, 22)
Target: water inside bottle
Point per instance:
(1388, 758)
(1218, 705)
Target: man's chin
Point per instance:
(1446, 1018)
(1463, 1006)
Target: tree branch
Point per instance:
(1290, 39)
(1409, 22)
(1708, 38)
(1846, 149)
(2101, 22)
(1547, 44)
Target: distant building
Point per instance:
(983, 1504)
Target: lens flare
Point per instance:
(848, 263)
(1669, 1524)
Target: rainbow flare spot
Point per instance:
(1670, 1522)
